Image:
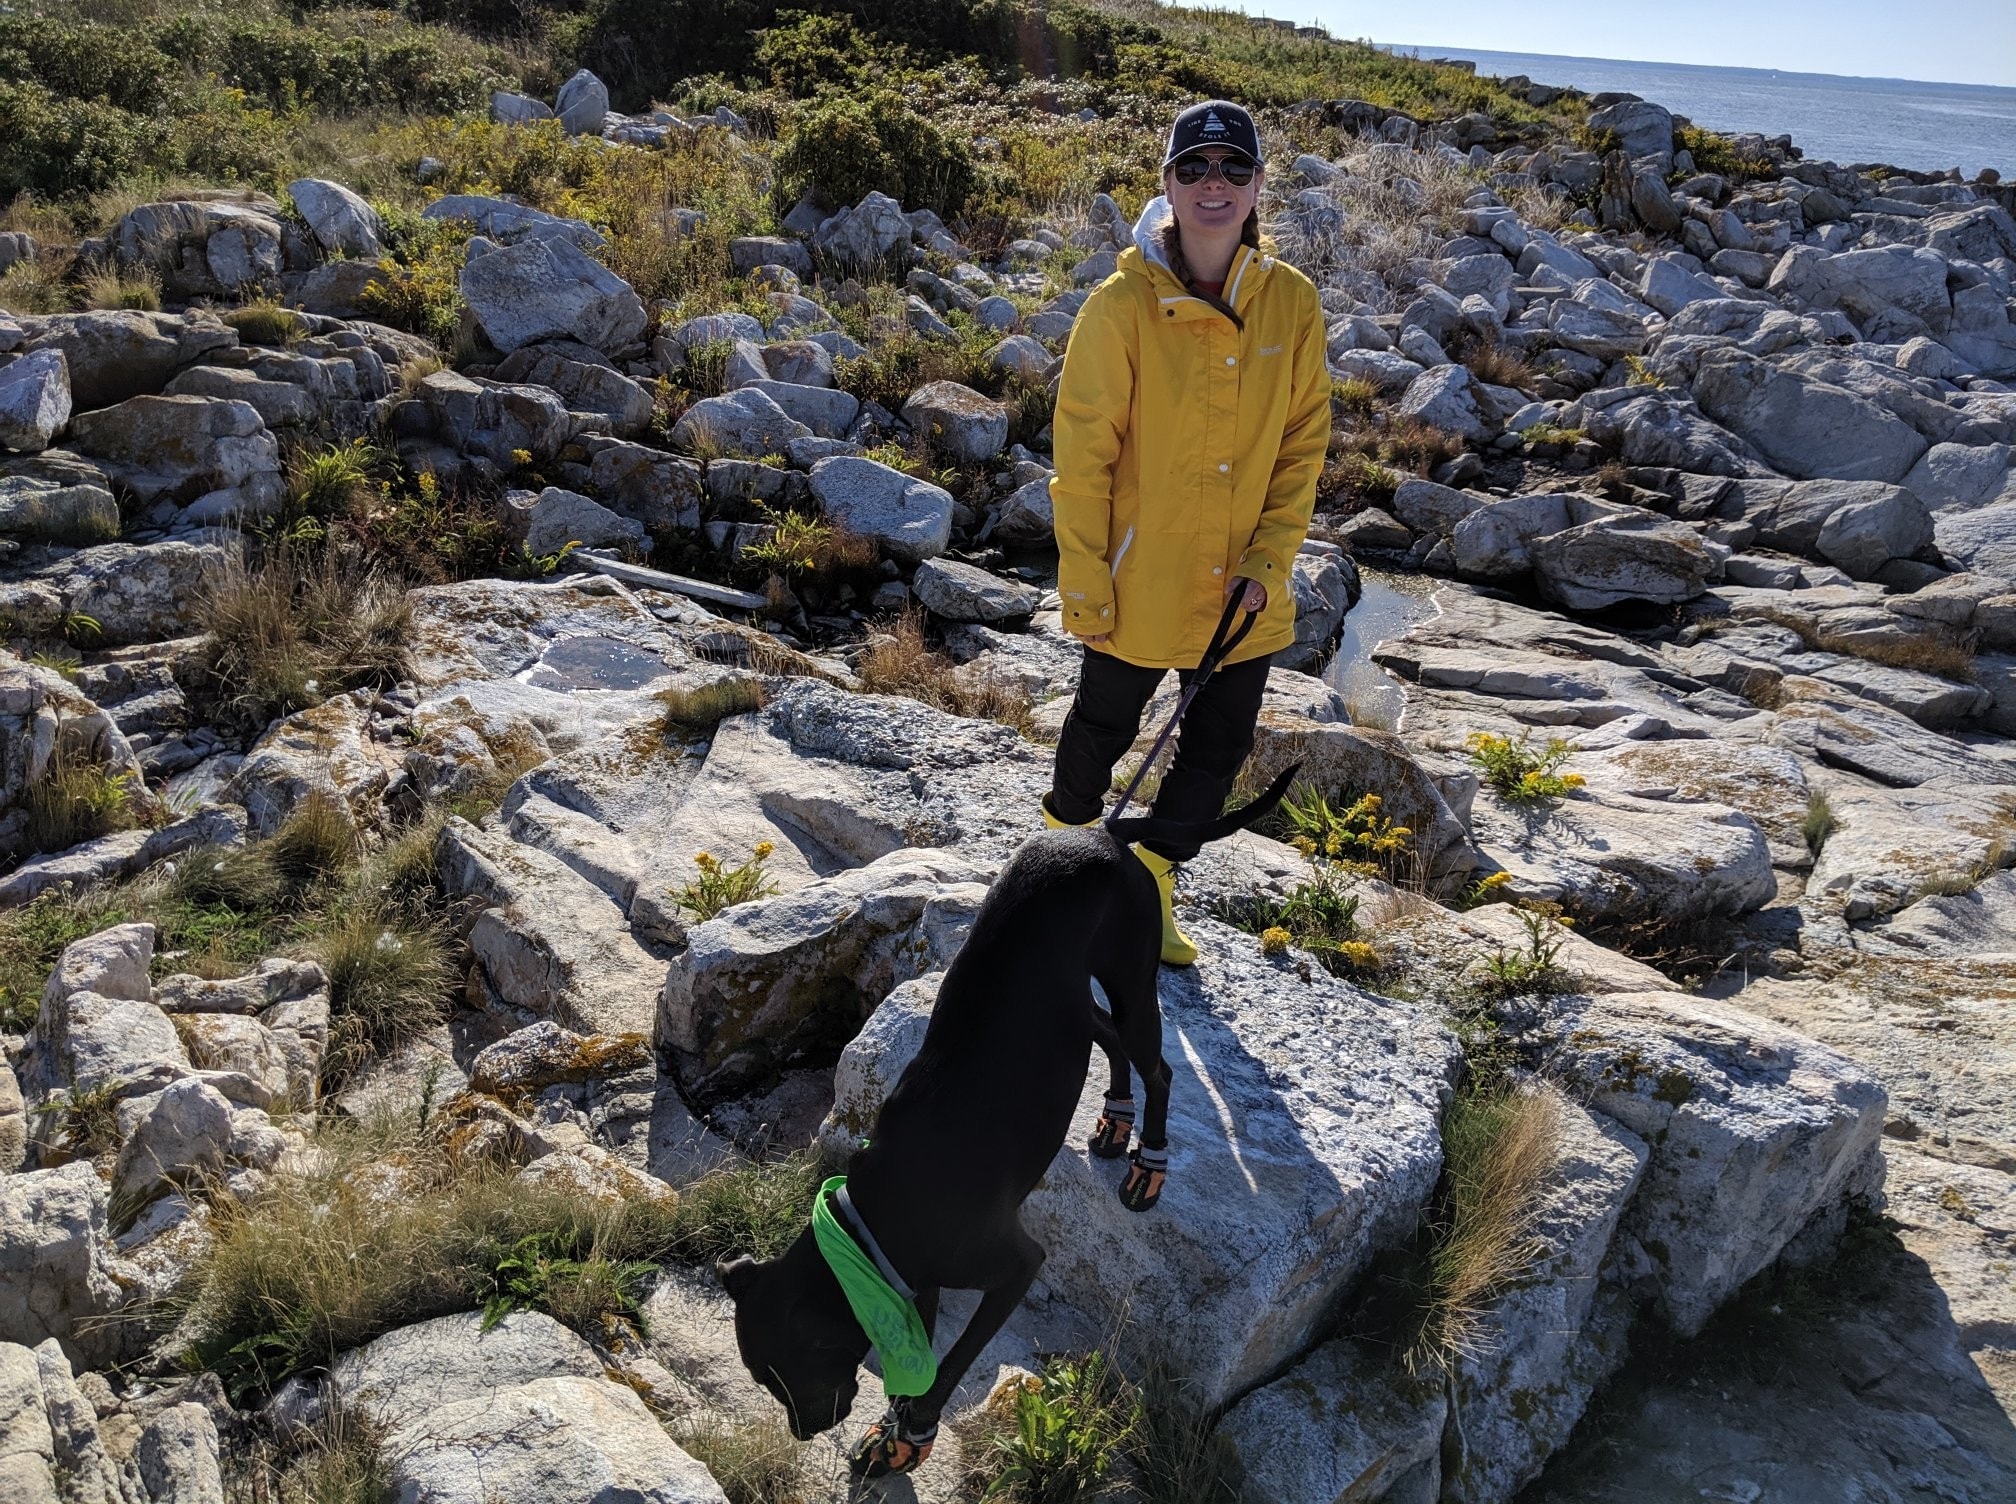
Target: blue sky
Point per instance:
(1946, 41)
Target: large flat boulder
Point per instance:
(114, 354)
(543, 288)
(1757, 1134)
(1303, 1139)
(1805, 427)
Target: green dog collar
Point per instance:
(909, 1368)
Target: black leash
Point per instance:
(1209, 664)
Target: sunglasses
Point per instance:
(1195, 168)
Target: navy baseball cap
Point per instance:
(1214, 123)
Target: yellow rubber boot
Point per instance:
(1177, 948)
(1053, 823)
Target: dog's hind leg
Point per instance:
(1137, 1020)
(1116, 1118)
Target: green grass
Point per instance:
(757, 1207)
(1528, 970)
(267, 323)
(78, 799)
(1058, 1438)
(1818, 824)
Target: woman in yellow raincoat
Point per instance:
(1190, 431)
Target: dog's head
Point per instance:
(801, 1349)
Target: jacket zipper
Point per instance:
(1125, 544)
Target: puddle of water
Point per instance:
(594, 663)
(1390, 604)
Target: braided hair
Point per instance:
(1172, 249)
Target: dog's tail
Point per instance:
(1137, 828)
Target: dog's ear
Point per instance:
(736, 1275)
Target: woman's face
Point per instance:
(1213, 206)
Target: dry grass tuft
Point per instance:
(1495, 365)
(691, 714)
(755, 1462)
(78, 799)
(295, 628)
(1930, 652)
(902, 662)
(1498, 1148)
(136, 287)
(377, 1229)
(267, 323)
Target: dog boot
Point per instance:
(1114, 1128)
(1177, 949)
(1145, 1177)
(1051, 822)
(889, 1447)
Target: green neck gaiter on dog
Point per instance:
(909, 1367)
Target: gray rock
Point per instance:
(1963, 475)
(827, 411)
(34, 399)
(1388, 370)
(1642, 128)
(866, 236)
(1547, 1344)
(1446, 398)
(1338, 1425)
(909, 520)
(1865, 534)
(1805, 427)
(585, 385)
(58, 1277)
(958, 420)
(1669, 287)
(507, 223)
(1429, 508)
(546, 523)
(549, 288)
(402, 1377)
(1616, 559)
(187, 449)
(582, 104)
(1021, 356)
(1755, 1133)
(47, 510)
(178, 1457)
(1495, 540)
(1606, 333)
(802, 362)
(1322, 596)
(202, 248)
(136, 593)
(748, 252)
(962, 592)
(507, 108)
(341, 221)
(745, 422)
(566, 1440)
(186, 1134)
(120, 353)
(495, 419)
(1026, 515)
(1269, 1220)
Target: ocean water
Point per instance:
(1928, 127)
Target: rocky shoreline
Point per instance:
(1713, 477)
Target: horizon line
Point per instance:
(1423, 50)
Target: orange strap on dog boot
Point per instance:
(1114, 1128)
(890, 1447)
(1145, 1177)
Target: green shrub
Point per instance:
(757, 1207)
(1819, 822)
(846, 147)
(1532, 969)
(1060, 1438)
(33, 936)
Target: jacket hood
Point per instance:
(1148, 231)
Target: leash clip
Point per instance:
(1214, 657)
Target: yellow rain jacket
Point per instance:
(1187, 453)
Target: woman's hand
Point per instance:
(1256, 593)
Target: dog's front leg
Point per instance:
(901, 1440)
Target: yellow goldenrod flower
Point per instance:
(763, 850)
(1274, 940)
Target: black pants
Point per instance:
(1211, 745)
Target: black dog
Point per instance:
(975, 1120)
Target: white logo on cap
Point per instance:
(1213, 126)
